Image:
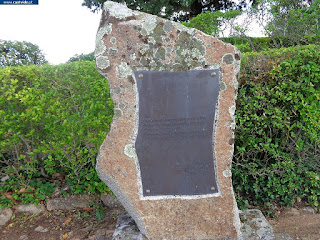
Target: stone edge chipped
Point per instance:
(122, 197)
(236, 72)
(118, 10)
(100, 47)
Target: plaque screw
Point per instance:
(213, 74)
(213, 188)
(148, 191)
(140, 75)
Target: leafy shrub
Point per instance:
(211, 22)
(53, 120)
(277, 154)
(249, 44)
(258, 44)
(82, 57)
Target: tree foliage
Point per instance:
(294, 19)
(211, 22)
(185, 9)
(82, 57)
(14, 53)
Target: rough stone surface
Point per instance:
(110, 201)
(31, 208)
(5, 215)
(24, 237)
(41, 229)
(128, 41)
(101, 238)
(254, 226)
(126, 228)
(282, 236)
(69, 203)
(309, 210)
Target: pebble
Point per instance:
(93, 237)
(87, 229)
(101, 232)
(31, 208)
(110, 201)
(100, 238)
(5, 216)
(309, 210)
(282, 236)
(69, 203)
(70, 234)
(41, 229)
(5, 178)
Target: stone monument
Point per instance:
(168, 154)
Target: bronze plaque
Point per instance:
(174, 143)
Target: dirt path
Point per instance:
(55, 225)
(78, 225)
(298, 223)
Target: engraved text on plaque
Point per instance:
(175, 137)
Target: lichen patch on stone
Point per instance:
(228, 59)
(227, 173)
(149, 23)
(102, 62)
(123, 70)
(100, 46)
(167, 27)
(130, 151)
(117, 10)
(117, 113)
(232, 110)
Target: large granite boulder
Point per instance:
(135, 48)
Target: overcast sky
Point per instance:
(61, 28)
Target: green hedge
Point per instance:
(258, 44)
(277, 154)
(53, 120)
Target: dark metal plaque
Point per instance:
(174, 144)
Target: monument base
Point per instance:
(254, 226)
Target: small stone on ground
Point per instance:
(5, 216)
(31, 208)
(282, 236)
(309, 210)
(126, 228)
(110, 201)
(69, 203)
(41, 229)
(101, 232)
(101, 238)
(254, 225)
(87, 229)
(24, 237)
